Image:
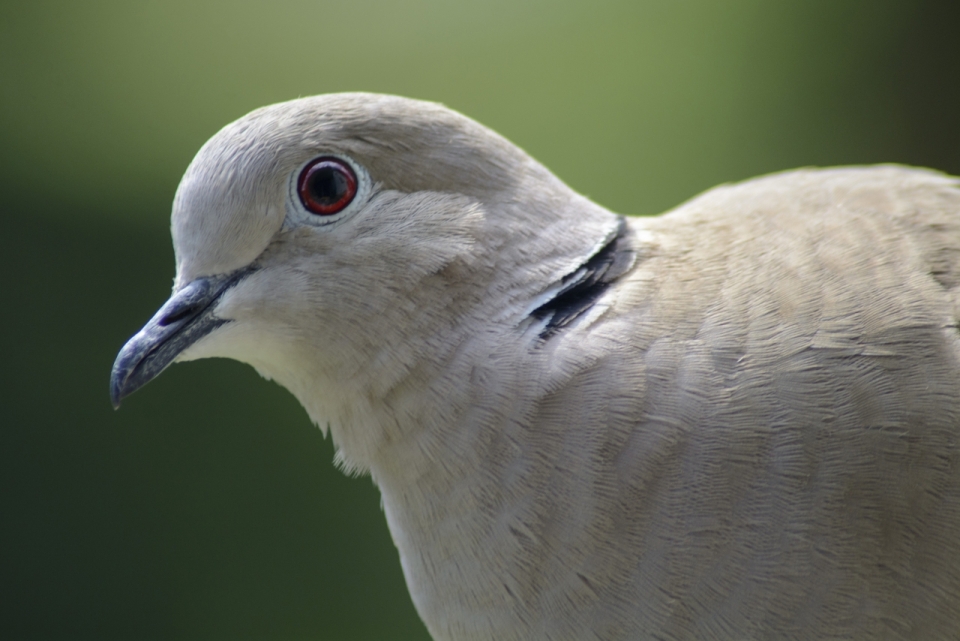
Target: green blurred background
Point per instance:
(209, 508)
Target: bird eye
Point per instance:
(326, 186)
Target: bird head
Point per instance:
(346, 244)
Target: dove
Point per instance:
(737, 420)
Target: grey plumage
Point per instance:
(745, 428)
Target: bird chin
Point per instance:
(240, 342)
(225, 342)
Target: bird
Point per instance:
(739, 419)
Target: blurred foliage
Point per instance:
(208, 507)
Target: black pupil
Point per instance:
(327, 185)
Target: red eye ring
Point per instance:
(326, 186)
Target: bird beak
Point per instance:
(182, 321)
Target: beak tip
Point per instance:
(116, 389)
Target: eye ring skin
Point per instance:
(297, 212)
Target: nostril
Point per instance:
(179, 314)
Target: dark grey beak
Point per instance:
(182, 321)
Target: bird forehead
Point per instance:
(228, 206)
(230, 202)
